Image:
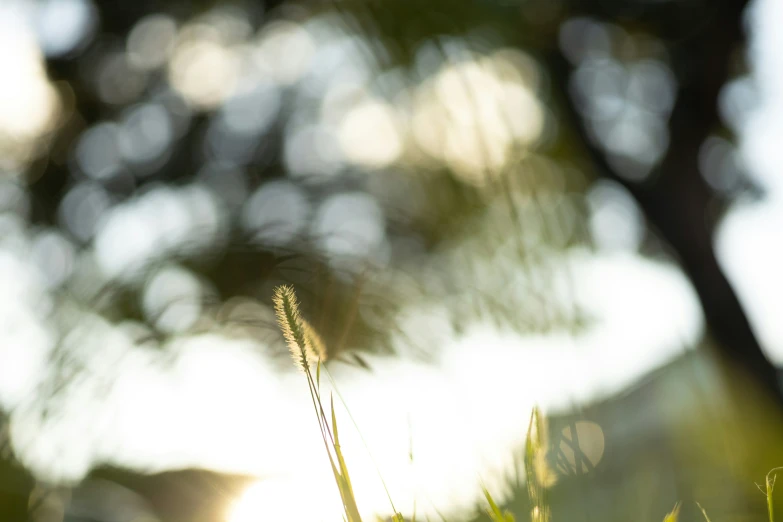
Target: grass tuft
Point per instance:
(308, 349)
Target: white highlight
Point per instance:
(219, 405)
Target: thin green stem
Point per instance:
(361, 437)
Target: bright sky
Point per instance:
(750, 244)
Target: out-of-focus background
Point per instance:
(483, 205)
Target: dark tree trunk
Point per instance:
(677, 201)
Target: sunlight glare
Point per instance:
(285, 50)
(368, 134)
(472, 114)
(203, 69)
(29, 105)
(277, 499)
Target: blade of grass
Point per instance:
(361, 437)
(770, 486)
(539, 477)
(674, 515)
(348, 498)
(703, 512)
(495, 514)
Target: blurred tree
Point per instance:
(671, 58)
(704, 41)
(701, 42)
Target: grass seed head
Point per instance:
(303, 341)
(290, 321)
(316, 349)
